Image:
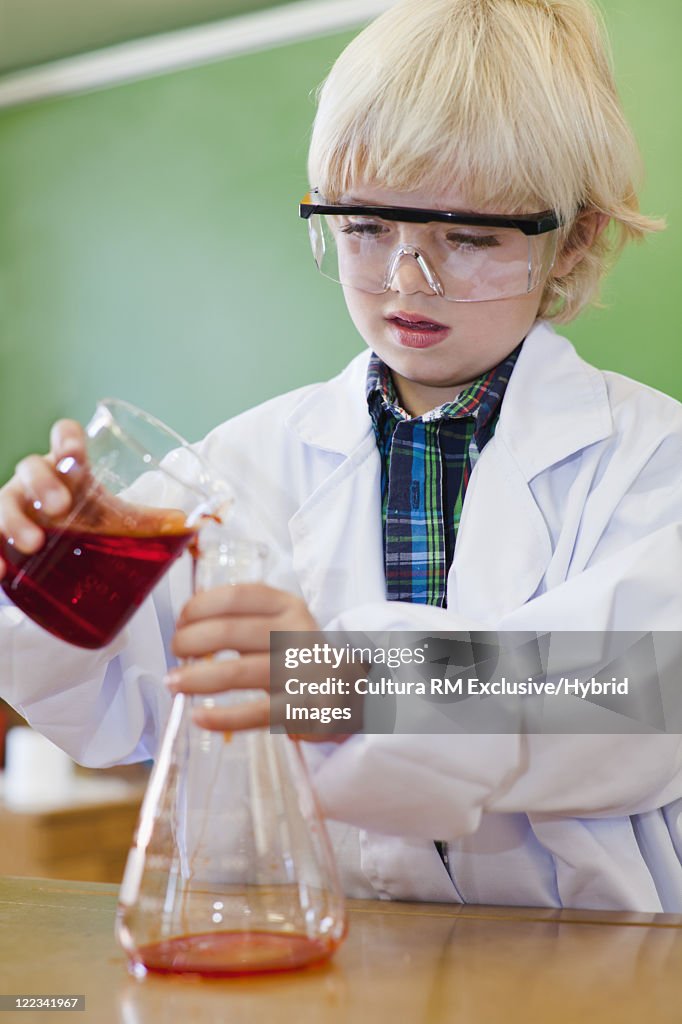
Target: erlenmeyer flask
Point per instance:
(231, 870)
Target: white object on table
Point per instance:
(37, 773)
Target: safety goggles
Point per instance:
(464, 257)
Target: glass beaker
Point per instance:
(101, 559)
(231, 870)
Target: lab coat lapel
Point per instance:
(336, 533)
(503, 547)
(555, 406)
(337, 537)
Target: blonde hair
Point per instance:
(512, 100)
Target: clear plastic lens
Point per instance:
(461, 262)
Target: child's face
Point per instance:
(430, 367)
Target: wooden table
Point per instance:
(402, 963)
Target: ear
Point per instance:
(586, 229)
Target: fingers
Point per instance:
(238, 617)
(239, 599)
(15, 524)
(233, 618)
(67, 437)
(37, 487)
(253, 714)
(41, 486)
(249, 672)
(246, 634)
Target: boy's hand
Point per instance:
(238, 618)
(37, 486)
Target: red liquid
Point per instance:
(83, 586)
(227, 954)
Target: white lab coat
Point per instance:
(572, 521)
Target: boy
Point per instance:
(473, 173)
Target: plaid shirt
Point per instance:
(426, 463)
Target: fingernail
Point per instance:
(67, 463)
(172, 680)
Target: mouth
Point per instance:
(413, 330)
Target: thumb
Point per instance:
(67, 437)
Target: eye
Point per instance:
(364, 228)
(471, 242)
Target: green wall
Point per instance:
(638, 333)
(150, 246)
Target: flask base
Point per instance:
(230, 954)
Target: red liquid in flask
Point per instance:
(229, 954)
(84, 584)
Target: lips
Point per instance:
(412, 330)
(416, 322)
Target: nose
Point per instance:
(408, 272)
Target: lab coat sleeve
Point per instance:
(102, 707)
(440, 785)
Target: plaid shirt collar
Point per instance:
(482, 399)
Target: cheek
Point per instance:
(362, 307)
(507, 318)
